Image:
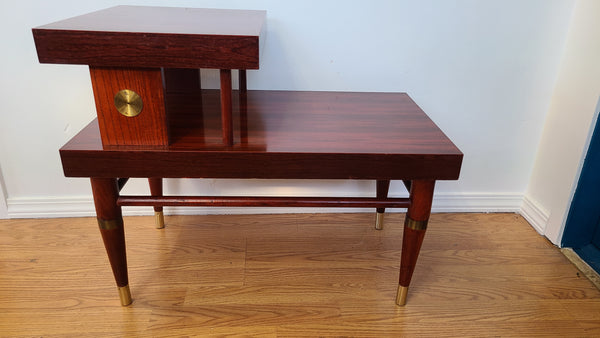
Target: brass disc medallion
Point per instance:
(128, 103)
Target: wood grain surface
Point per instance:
(325, 135)
(142, 36)
(479, 275)
(147, 128)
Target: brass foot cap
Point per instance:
(379, 221)
(401, 295)
(159, 219)
(125, 295)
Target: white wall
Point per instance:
(3, 208)
(570, 121)
(483, 70)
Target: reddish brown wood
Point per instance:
(243, 112)
(296, 135)
(181, 80)
(105, 192)
(136, 36)
(243, 82)
(312, 135)
(411, 246)
(156, 190)
(245, 201)
(382, 187)
(147, 128)
(226, 118)
(421, 197)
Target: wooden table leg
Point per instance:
(415, 224)
(243, 83)
(110, 222)
(226, 119)
(382, 188)
(156, 190)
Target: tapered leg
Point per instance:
(156, 190)
(110, 222)
(382, 188)
(243, 83)
(415, 224)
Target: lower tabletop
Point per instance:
(280, 134)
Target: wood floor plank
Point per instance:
(291, 275)
(562, 328)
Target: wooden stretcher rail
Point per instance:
(244, 201)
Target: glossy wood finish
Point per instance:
(243, 201)
(136, 36)
(106, 192)
(226, 114)
(147, 128)
(421, 197)
(193, 133)
(300, 135)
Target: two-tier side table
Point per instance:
(155, 121)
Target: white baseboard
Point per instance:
(477, 202)
(535, 215)
(83, 206)
(50, 207)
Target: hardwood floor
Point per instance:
(291, 275)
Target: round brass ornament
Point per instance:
(128, 103)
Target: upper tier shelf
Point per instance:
(140, 36)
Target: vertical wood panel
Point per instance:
(147, 128)
(226, 118)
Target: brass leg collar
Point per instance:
(415, 225)
(110, 224)
(125, 295)
(159, 218)
(401, 295)
(379, 221)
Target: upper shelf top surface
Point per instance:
(166, 20)
(170, 37)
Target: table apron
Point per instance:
(171, 164)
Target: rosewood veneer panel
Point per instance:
(136, 36)
(147, 128)
(327, 135)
